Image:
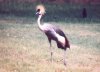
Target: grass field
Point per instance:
(24, 48)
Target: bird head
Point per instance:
(40, 10)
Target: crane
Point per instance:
(52, 32)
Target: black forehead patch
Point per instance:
(38, 10)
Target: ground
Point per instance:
(24, 48)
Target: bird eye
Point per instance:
(38, 10)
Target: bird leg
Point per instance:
(65, 57)
(51, 53)
(51, 49)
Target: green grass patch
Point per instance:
(24, 48)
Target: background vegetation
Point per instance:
(54, 12)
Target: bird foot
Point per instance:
(65, 63)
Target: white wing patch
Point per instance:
(60, 38)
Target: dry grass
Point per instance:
(24, 48)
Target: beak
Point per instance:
(37, 13)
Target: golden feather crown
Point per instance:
(41, 8)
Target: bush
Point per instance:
(54, 12)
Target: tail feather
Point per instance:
(67, 43)
(59, 45)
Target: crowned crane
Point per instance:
(52, 32)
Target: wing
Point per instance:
(49, 27)
(61, 33)
(49, 31)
